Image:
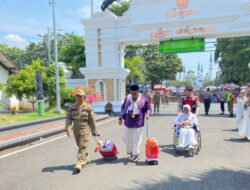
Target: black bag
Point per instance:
(124, 116)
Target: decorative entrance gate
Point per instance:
(151, 21)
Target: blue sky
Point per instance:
(22, 20)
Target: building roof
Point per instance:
(7, 63)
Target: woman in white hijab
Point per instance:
(240, 119)
(244, 129)
(186, 122)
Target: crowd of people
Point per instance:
(222, 96)
(137, 107)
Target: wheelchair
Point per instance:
(196, 148)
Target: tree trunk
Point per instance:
(152, 85)
(33, 103)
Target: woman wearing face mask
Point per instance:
(187, 122)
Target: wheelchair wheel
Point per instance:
(191, 152)
(199, 140)
(174, 143)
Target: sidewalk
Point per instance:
(28, 134)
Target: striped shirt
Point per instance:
(208, 95)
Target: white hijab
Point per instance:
(186, 117)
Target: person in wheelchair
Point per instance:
(186, 126)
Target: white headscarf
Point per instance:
(189, 110)
(187, 117)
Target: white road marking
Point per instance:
(34, 146)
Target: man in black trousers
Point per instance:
(207, 100)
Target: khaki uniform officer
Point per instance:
(82, 116)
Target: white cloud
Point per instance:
(15, 40)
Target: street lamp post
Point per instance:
(49, 43)
(92, 7)
(49, 58)
(58, 100)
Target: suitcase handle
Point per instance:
(147, 127)
(103, 142)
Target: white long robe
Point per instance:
(133, 139)
(187, 133)
(248, 122)
(240, 113)
(244, 130)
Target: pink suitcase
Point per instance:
(107, 149)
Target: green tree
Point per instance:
(179, 84)
(137, 69)
(23, 84)
(71, 50)
(33, 52)
(67, 96)
(132, 50)
(1, 86)
(73, 54)
(119, 8)
(1, 89)
(50, 83)
(233, 56)
(217, 81)
(207, 82)
(14, 53)
(160, 67)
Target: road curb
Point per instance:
(18, 125)
(34, 136)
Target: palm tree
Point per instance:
(137, 67)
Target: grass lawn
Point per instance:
(8, 119)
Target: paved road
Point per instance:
(223, 163)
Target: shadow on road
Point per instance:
(239, 140)
(215, 115)
(169, 149)
(230, 130)
(201, 115)
(222, 179)
(58, 168)
(164, 115)
(102, 161)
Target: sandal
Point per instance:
(136, 158)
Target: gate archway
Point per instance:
(152, 21)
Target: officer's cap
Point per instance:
(80, 92)
(189, 88)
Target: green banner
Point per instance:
(179, 46)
